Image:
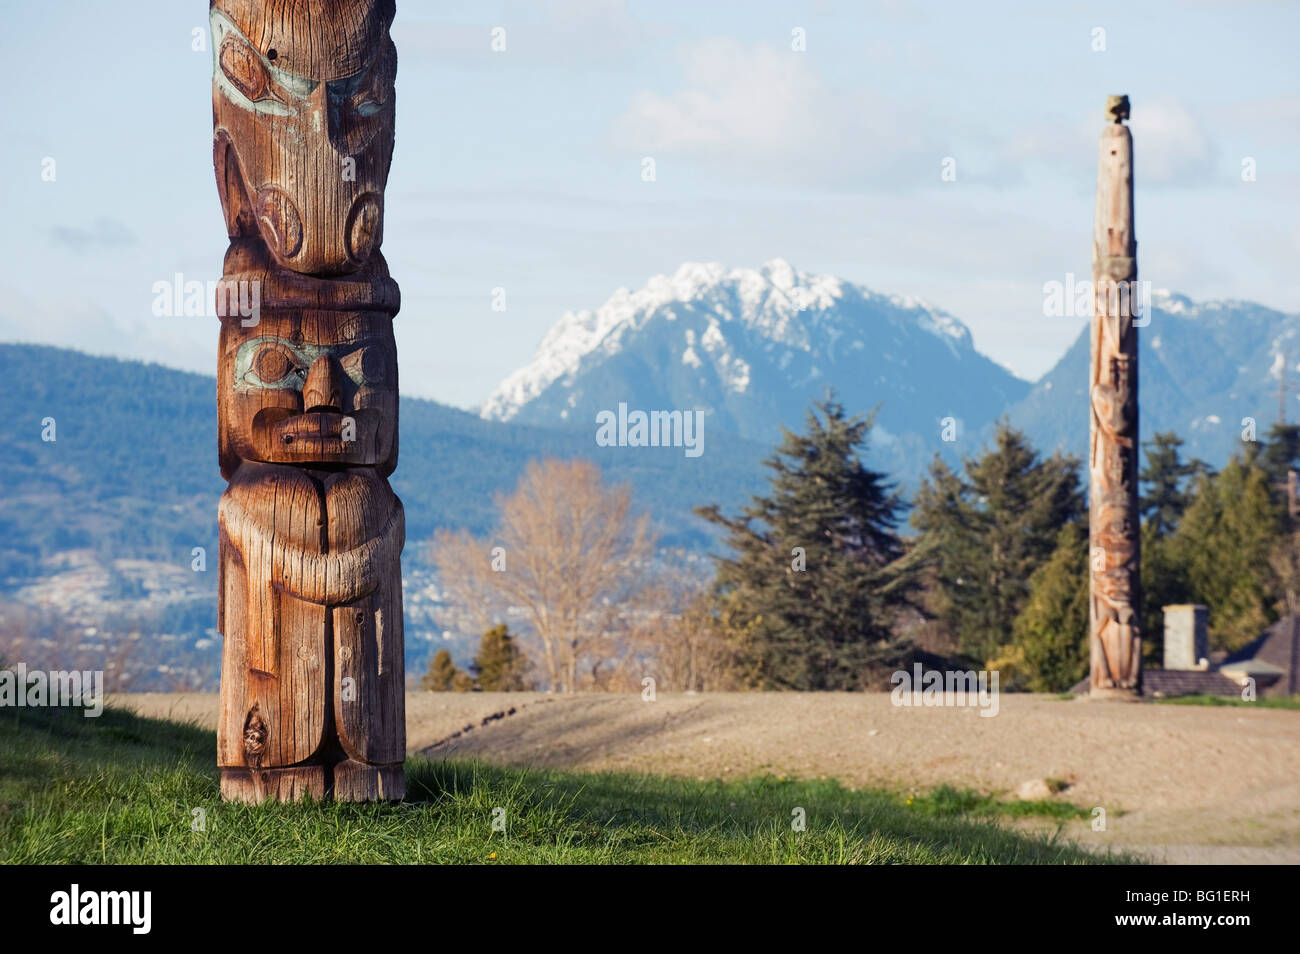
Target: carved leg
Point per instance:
(253, 785)
(360, 782)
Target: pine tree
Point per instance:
(1165, 480)
(444, 676)
(1281, 461)
(1224, 543)
(984, 535)
(1281, 451)
(815, 578)
(1167, 484)
(1164, 582)
(500, 665)
(1050, 636)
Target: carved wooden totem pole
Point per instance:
(1116, 597)
(311, 533)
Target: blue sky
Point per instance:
(522, 169)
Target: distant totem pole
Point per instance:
(311, 534)
(1116, 594)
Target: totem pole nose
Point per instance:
(323, 390)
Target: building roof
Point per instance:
(1187, 682)
(1279, 645)
(1178, 682)
(1252, 667)
(1277, 649)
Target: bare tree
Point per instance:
(680, 639)
(43, 639)
(568, 556)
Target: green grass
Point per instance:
(948, 802)
(122, 789)
(1269, 702)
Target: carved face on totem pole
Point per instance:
(310, 388)
(303, 106)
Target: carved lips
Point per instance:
(286, 437)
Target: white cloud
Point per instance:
(733, 98)
(764, 111)
(78, 322)
(1170, 145)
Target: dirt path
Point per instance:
(1180, 783)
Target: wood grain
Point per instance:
(1115, 637)
(312, 680)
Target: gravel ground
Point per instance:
(1181, 784)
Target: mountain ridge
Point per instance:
(1204, 368)
(753, 346)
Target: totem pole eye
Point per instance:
(367, 365)
(245, 70)
(366, 105)
(355, 93)
(272, 365)
(366, 92)
(369, 99)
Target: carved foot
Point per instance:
(361, 782)
(253, 785)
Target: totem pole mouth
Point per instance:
(327, 437)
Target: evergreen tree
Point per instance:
(1281, 451)
(1279, 458)
(1164, 481)
(1050, 636)
(444, 676)
(1164, 582)
(500, 665)
(984, 535)
(815, 578)
(1167, 484)
(1224, 543)
(1281, 461)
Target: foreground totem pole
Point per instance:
(311, 533)
(1116, 596)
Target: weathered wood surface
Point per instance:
(311, 534)
(1116, 598)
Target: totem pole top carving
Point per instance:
(303, 107)
(1117, 108)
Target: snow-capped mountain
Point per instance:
(1203, 368)
(751, 347)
